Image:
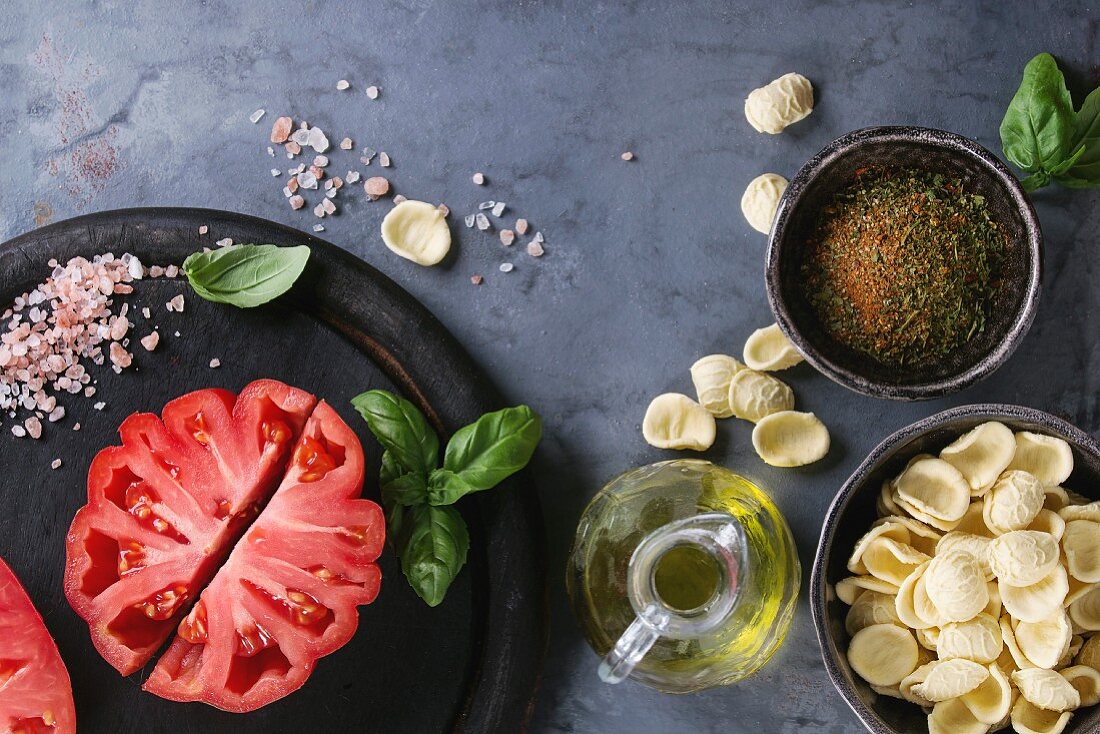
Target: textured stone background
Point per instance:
(649, 264)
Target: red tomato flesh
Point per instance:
(163, 528)
(35, 694)
(288, 593)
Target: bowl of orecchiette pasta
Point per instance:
(913, 297)
(956, 587)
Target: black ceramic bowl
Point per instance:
(852, 513)
(832, 170)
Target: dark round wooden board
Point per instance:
(470, 664)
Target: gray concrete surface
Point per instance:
(648, 264)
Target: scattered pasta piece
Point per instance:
(675, 421)
(755, 395)
(768, 350)
(711, 376)
(949, 679)
(883, 654)
(1013, 502)
(1027, 718)
(783, 102)
(1081, 543)
(761, 199)
(981, 454)
(1046, 689)
(789, 438)
(417, 231)
(1086, 681)
(1023, 557)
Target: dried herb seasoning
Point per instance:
(903, 265)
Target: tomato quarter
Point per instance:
(35, 694)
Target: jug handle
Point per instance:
(635, 642)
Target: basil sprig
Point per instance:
(245, 275)
(1043, 135)
(429, 535)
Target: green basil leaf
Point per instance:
(407, 489)
(1038, 126)
(1037, 180)
(445, 487)
(432, 547)
(401, 429)
(394, 510)
(1068, 162)
(245, 275)
(390, 469)
(494, 447)
(1086, 170)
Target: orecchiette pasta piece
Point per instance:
(884, 503)
(892, 561)
(920, 515)
(1013, 503)
(1081, 543)
(711, 376)
(956, 586)
(1041, 643)
(888, 529)
(891, 691)
(1027, 718)
(1006, 721)
(1038, 601)
(1056, 498)
(1090, 653)
(975, 545)
(761, 199)
(870, 608)
(1090, 511)
(921, 536)
(417, 231)
(973, 522)
(935, 488)
(991, 701)
(978, 639)
(883, 654)
(675, 421)
(993, 608)
(922, 616)
(847, 589)
(1023, 557)
(755, 395)
(1085, 612)
(1017, 656)
(927, 638)
(950, 679)
(790, 438)
(1047, 458)
(954, 717)
(768, 349)
(981, 454)
(1046, 689)
(1048, 521)
(905, 688)
(783, 102)
(1085, 680)
(1077, 589)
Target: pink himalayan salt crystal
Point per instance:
(119, 356)
(151, 341)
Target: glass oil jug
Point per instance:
(683, 576)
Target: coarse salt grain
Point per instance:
(19, 431)
(320, 161)
(318, 228)
(479, 178)
(521, 226)
(215, 363)
(469, 220)
(486, 205)
(255, 116)
(176, 304)
(376, 186)
(507, 237)
(342, 84)
(100, 405)
(346, 144)
(55, 464)
(506, 267)
(476, 279)
(280, 130)
(34, 427)
(275, 173)
(146, 312)
(400, 198)
(150, 341)
(384, 159)
(482, 221)
(203, 229)
(372, 92)
(627, 156)
(224, 242)
(296, 202)
(534, 249)
(352, 176)
(498, 209)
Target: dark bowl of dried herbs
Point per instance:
(904, 262)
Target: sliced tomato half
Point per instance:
(165, 508)
(288, 593)
(36, 696)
